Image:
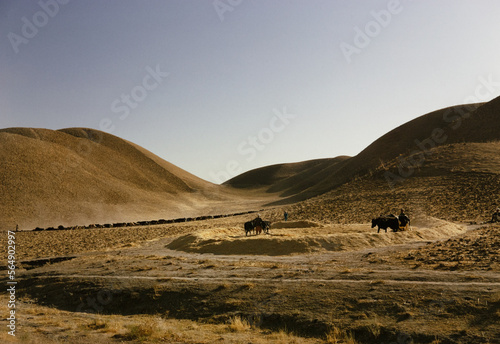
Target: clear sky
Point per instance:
(221, 87)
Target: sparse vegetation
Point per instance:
(105, 329)
(237, 324)
(385, 287)
(147, 329)
(339, 336)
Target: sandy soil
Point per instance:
(308, 277)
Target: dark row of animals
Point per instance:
(143, 223)
(258, 226)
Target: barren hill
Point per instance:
(287, 178)
(82, 176)
(473, 123)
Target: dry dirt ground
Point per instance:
(305, 282)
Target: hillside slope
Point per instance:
(457, 182)
(81, 176)
(287, 179)
(473, 123)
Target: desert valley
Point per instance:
(116, 245)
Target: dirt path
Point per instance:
(281, 280)
(367, 287)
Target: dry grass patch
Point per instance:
(248, 286)
(338, 336)
(373, 325)
(147, 329)
(284, 337)
(234, 302)
(109, 324)
(237, 324)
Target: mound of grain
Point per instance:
(231, 242)
(295, 240)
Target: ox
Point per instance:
(384, 222)
(266, 225)
(249, 227)
(394, 222)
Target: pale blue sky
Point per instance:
(232, 68)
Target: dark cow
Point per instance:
(249, 227)
(266, 225)
(384, 222)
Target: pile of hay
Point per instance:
(304, 237)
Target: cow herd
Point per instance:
(144, 223)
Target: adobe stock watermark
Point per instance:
(11, 283)
(453, 118)
(97, 303)
(265, 309)
(122, 106)
(364, 36)
(223, 6)
(31, 26)
(250, 147)
(127, 102)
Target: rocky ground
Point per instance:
(438, 283)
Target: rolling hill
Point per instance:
(473, 123)
(83, 176)
(286, 179)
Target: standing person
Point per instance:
(496, 215)
(403, 219)
(258, 224)
(286, 216)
